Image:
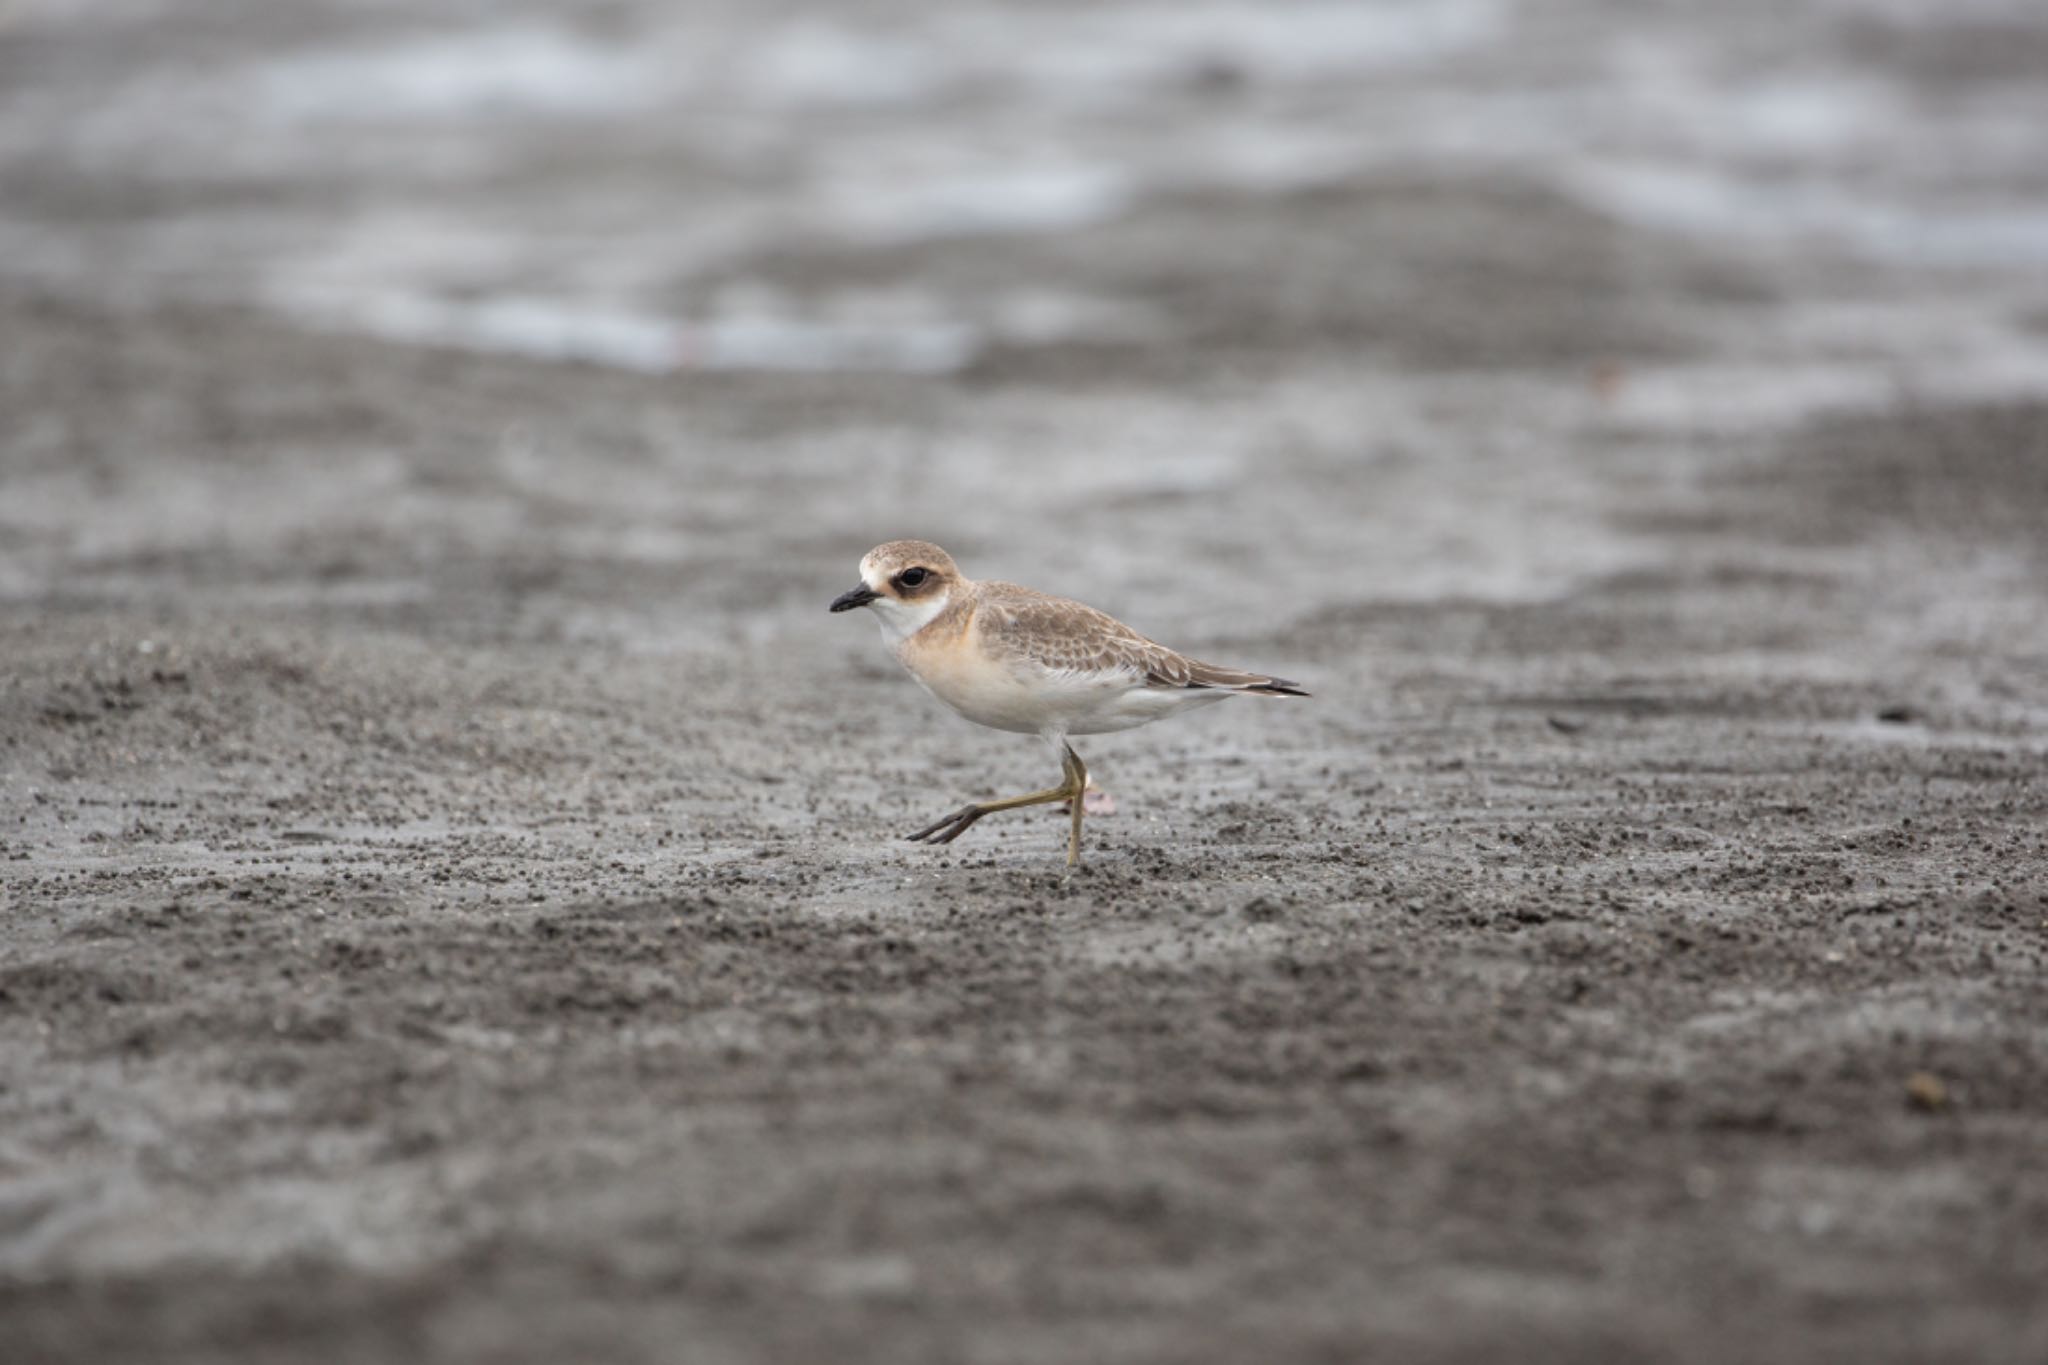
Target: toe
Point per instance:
(947, 830)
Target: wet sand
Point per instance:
(452, 904)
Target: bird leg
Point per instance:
(1099, 802)
(1077, 781)
(960, 821)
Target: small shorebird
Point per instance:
(1014, 659)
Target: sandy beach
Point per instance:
(453, 904)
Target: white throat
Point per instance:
(900, 620)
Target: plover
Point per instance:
(1014, 659)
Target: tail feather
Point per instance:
(1278, 687)
(1237, 680)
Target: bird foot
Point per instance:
(950, 828)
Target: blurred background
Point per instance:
(449, 900)
(1057, 267)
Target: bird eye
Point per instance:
(910, 578)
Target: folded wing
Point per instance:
(1065, 636)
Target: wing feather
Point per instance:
(1064, 636)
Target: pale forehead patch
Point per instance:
(895, 555)
(884, 562)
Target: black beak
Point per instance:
(859, 597)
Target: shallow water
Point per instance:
(599, 191)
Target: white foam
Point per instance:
(524, 69)
(1041, 199)
(1710, 202)
(546, 329)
